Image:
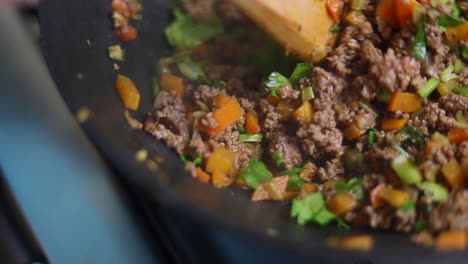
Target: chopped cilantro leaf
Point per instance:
(301, 71)
(275, 82)
(185, 33)
(196, 161)
(277, 158)
(353, 186)
(449, 21)
(294, 183)
(312, 209)
(419, 47)
(255, 173)
(408, 206)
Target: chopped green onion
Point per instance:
(438, 192)
(116, 53)
(417, 14)
(420, 41)
(277, 158)
(358, 4)
(372, 133)
(408, 206)
(457, 67)
(461, 90)
(307, 94)
(447, 74)
(312, 209)
(448, 21)
(335, 28)
(294, 183)
(156, 88)
(408, 172)
(456, 12)
(250, 138)
(428, 87)
(300, 71)
(275, 82)
(460, 120)
(190, 69)
(291, 172)
(242, 130)
(402, 151)
(354, 186)
(255, 173)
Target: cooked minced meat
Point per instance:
(378, 130)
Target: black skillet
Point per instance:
(75, 37)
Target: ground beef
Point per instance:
(379, 218)
(320, 142)
(452, 214)
(333, 170)
(454, 102)
(288, 148)
(271, 119)
(206, 94)
(287, 92)
(432, 117)
(404, 221)
(327, 88)
(439, 50)
(462, 151)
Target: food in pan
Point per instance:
(375, 135)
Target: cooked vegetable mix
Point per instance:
(375, 135)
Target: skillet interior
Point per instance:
(65, 28)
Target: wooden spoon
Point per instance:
(301, 26)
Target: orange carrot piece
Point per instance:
(389, 124)
(341, 203)
(451, 240)
(128, 92)
(334, 8)
(353, 132)
(172, 83)
(457, 33)
(225, 116)
(274, 101)
(220, 179)
(453, 173)
(304, 114)
(202, 175)
(376, 196)
(309, 187)
(121, 7)
(127, 34)
(251, 123)
(386, 9)
(404, 102)
(357, 242)
(395, 198)
(221, 161)
(457, 135)
(404, 11)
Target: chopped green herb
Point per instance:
(190, 69)
(156, 88)
(275, 82)
(250, 138)
(456, 12)
(307, 94)
(185, 33)
(255, 173)
(294, 183)
(372, 133)
(406, 171)
(353, 186)
(312, 209)
(447, 74)
(184, 158)
(300, 71)
(419, 47)
(461, 90)
(335, 28)
(291, 172)
(408, 206)
(211, 82)
(449, 21)
(438, 192)
(428, 87)
(412, 135)
(242, 130)
(116, 53)
(277, 158)
(196, 161)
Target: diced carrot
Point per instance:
(341, 203)
(404, 102)
(451, 240)
(221, 161)
(122, 8)
(128, 92)
(386, 9)
(285, 109)
(126, 34)
(334, 8)
(389, 124)
(309, 187)
(202, 175)
(404, 11)
(453, 173)
(457, 135)
(357, 242)
(352, 132)
(280, 185)
(274, 101)
(226, 115)
(394, 197)
(251, 123)
(220, 179)
(172, 83)
(304, 114)
(376, 196)
(457, 33)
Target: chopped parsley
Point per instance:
(277, 158)
(353, 186)
(300, 71)
(185, 33)
(408, 206)
(275, 81)
(419, 47)
(312, 209)
(372, 133)
(255, 173)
